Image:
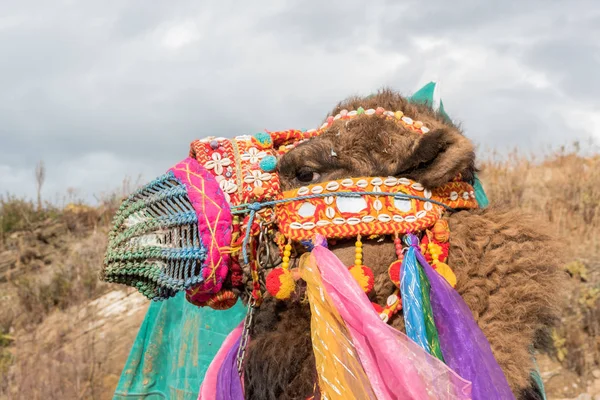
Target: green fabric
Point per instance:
(480, 195)
(433, 338)
(173, 349)
(425, 96)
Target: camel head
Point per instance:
(367, 146)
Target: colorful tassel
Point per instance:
(412, 300)
(465, 347)
(432, 334)
(396, 367)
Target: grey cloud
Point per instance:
(119, 88)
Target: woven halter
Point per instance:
(162, 241)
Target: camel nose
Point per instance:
(168, 235)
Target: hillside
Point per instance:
(64, 334)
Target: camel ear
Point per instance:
(437, 157)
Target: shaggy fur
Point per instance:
(506, 265)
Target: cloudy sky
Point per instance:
(101, 90)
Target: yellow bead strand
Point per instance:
(287, 252)
(358, 258)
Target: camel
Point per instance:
(506, 263)
(209, 209)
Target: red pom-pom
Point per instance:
(394, 272)
(364, 276)
(280, 283)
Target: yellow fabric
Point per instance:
(341, 376)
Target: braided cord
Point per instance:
(244, 208)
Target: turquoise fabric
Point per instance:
(480, 195)
(173, 349)
(425, 96)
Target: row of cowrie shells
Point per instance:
(465, 195)
(355, 221)
(371, 111)
(363, 183)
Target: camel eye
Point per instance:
(306, 175)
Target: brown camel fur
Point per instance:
(506, 264)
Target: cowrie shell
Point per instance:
(296, 225)
(332, 186)
(322, 222)
(410, 218)
(398, 218)
(384, 218)
(390, 182)
(421, 214)
(404, 181)
(377, 205)
(339, 221)
(427, 193)
(362, 183)
(308, 225)
(303, 191)
(330, 212)
(317, 190)
(368, 218)
(428, 206)
(353, 221)
(347, 182)
(376, 181)
(453, 196)
(391, 300)
(329, 200)
(417, 186)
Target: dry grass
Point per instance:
(564, 190)
(49, 262)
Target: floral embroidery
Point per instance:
(257, 178)
(253, 155)
(228, 187)
(217, 163)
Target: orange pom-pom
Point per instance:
(441, 231)
(394, 272)
(280, 283)
(223, 300)
(364, 276)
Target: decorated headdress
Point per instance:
(200, 227)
